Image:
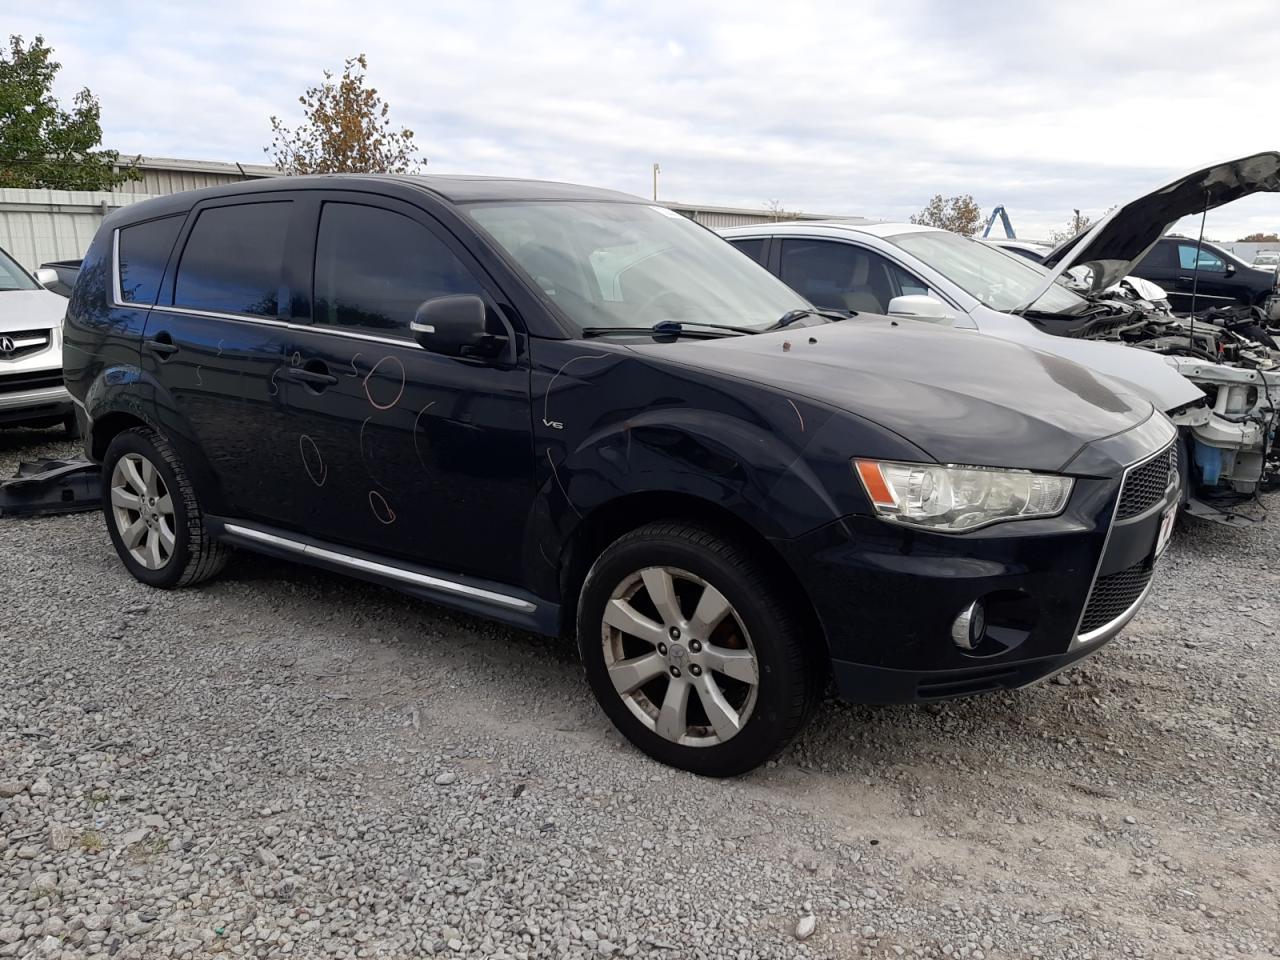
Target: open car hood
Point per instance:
(1112, 246)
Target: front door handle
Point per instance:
(314, 373)
(161, 345)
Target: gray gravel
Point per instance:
(283, 762)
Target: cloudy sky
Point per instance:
(835, 107)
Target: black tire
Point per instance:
(196, 556)
(789, 672)
(71, 426)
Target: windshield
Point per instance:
(634, 265)
(12, 276)
(998, 280)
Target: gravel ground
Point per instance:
(283, 762)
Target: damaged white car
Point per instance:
(1216, 381)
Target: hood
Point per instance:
(960, 397)
(31, 309)
(1111, 247)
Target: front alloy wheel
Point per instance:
(695, 646)
(143, 511)
(690, 679)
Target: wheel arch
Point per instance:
(611, 520)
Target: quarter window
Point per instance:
(1209, 261)
(144, 251)
(233, 258)
(753, 248)
(374, 268)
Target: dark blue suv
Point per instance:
(579, 413)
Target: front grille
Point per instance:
(1145, 486)
(24, 343)
(1113, 594)
(35, 380)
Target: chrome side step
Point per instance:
(471, 595)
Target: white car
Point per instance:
(32, 392)
(1267, 260)
(1227, 411)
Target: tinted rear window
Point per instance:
(753, 248)
(144, 251)
(232, 260)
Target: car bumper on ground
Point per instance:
(895, 602)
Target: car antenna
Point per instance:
(1195, 273)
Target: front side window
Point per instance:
(1209, 261)
(233, 258)
(843, 276)
(753, 247)
(997, 280)
(633, 265)
(375, 267)
(144, 251)
(12, 276)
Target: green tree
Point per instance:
(347, 130)
(959, 214)
(41, 144)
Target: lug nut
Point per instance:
(662, 649)
(695, 646)
(695, 669)
(675, 633)
(675, 671)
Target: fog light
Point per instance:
(968, 628)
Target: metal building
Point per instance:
(37, 226)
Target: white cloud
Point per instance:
(840, 107)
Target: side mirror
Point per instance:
(456, 327)
(46, 278)
(1231, 269)
(918, 306)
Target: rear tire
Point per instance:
(71, 426)
(153, 514)
(693, 649)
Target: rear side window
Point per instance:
(1161, 255)
(374, 268)
(144, 251)
(233, 258)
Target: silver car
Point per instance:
(32, 392)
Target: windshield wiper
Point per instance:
(671, 328)
(791, 316)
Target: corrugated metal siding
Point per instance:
(41, 225)
(715, 220)
(160, 182)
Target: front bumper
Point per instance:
(33, 406)
(32, 388)
(1054, 590)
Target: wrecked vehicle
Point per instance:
(1218, 383)
(576, 412)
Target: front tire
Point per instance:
(153, 515)
(694, 651)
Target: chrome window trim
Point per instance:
(282, 324)
(383, 569)
(117, 295)
(1080, 640)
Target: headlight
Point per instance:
(956, 499)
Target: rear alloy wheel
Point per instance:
(153, 514)
(693, 649)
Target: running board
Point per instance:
(482, 597)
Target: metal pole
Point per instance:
(1195, 273)
(656, 170)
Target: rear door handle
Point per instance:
(314, 374)
(161, 345)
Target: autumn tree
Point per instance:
(959, 214)
(777, 211)
(1260, 238)
(1077, 224)
(347, 130)
(41, 144)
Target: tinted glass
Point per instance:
(144, 251)
(753, 248)
(1208, 259)
(632, 265)
(12, 276)
(374, 268)
(1161, 255)
(232, 260)
(841, 276)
